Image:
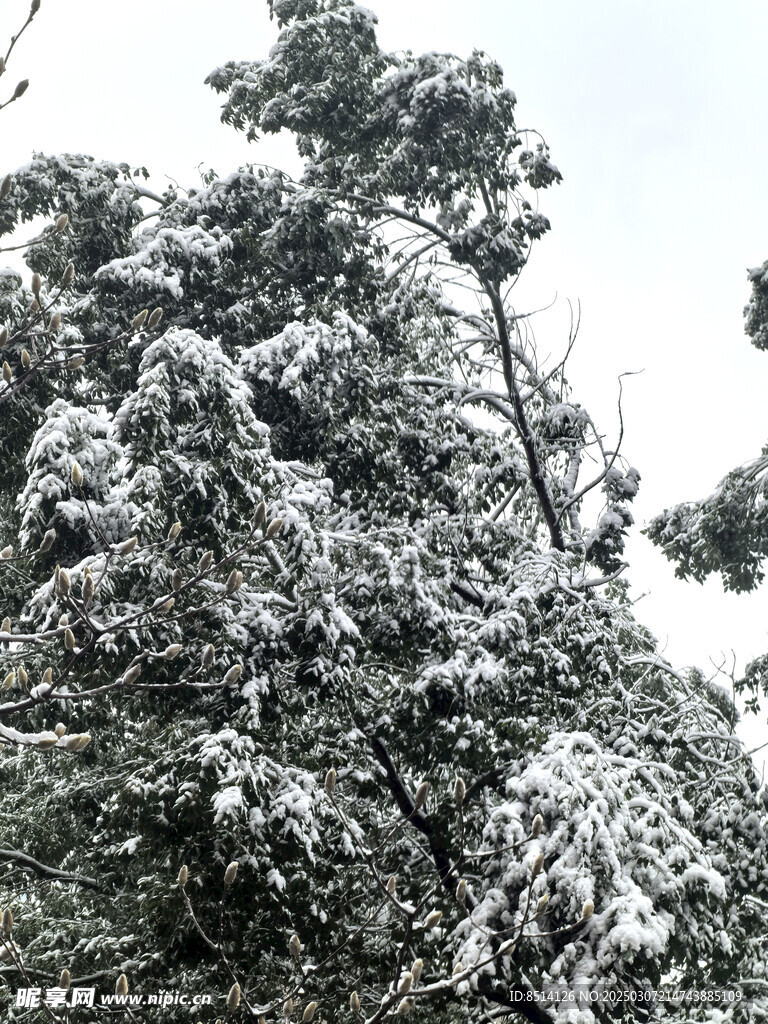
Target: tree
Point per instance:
(727, 532)
(373, 726)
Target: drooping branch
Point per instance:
(45, 871)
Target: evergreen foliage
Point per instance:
(379, 580)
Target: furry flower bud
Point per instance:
(68, 276)
(206, 561)
(7, 372)
(37, 284)
(233, 998)
(76, 475)
(294, 946)
(461, 892)
(174, 531)
(274, 528)
(26, 359)
(354, 1002)
(138, 321)
(69, 640)
(416, 968)
(65, 979)
(432, 919)
(208, 655)
(61, 222)
(47, 542)
(183, 875)
(536, 826)
(538, 864)
(260, 516)
(7, 923)
(392, 884)
(177, 579)
(172, 651)
(309, 1012)
(421, 795)
(5, 186)
(587, 910)
(154, 318)
(330, 781)
(231, 873)
(459, 791)
(121, 986)
(233, 675)
(406, 981)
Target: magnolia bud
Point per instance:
(47, 677)
(392, 884)
(405, 983)
(46, 740)
(433, 919)
(421, 795)
(68, 276)
(206, 561)
(154, 318)
(183, 875)
(416, 968)
(127, 546)
(459, 791)
(6, 552)
(538, 864)
(6, 626)
(172, 651)
(309, 1012)
(138, 321)
(64, 584)
(330, 781)
(69, 639)
(63, 620)
(60, 729)
(23, 677)
(47, 542)
(231, 584)
(75, 362)
(536, 826)
(55, 322)
(37, 284)
(457, 969)
(294, 946)
(34, 7)
(461, 892)
(406, 1005)
(21, 88)
(26, 359)
(7, 372)
(231, 873)
(587, 910)
(288, 1007)
(7, 924)
(177, 579)
(174, 531)
(78, 742)
(9, 680)
(233, 675)
(61, 222)
(208, 655)
(3, 335)
(121, 986)
(260, 516)
(354, 1002)
(131, 674)
(65, 979)
(88, 587)
(274, 528)
(76, 475)
(34, 306)
(165, 606)
(233, 998)
(543, 901)
(5, 186)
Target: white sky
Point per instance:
(655, 115)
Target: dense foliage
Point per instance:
(379, 573)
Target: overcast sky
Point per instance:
(654, 112)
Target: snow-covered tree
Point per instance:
(372, 724)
